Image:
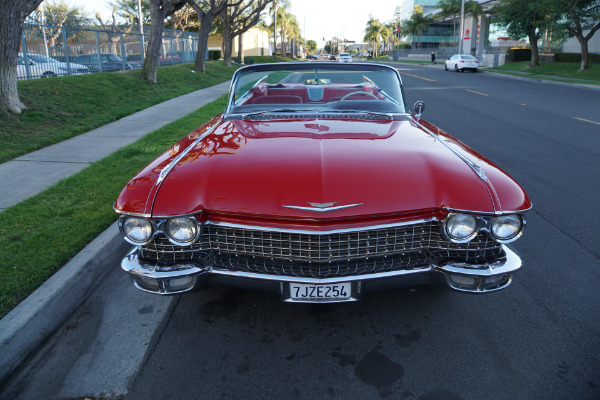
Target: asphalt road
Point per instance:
(538, 339)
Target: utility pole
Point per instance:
(462, 19)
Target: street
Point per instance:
(538, 339)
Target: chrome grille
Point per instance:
(322, 255)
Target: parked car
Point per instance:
(319, 184)
(461, 62)
(40, 66)
(312, 57)
(108, 62)
(344, 57)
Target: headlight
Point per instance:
(137, 230)
(461, 228)
(182, 230)
(506, 227)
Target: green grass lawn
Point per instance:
(554, 70)
(271, 59)
(39, 235)
(62, 107)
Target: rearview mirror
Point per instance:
(419, 107)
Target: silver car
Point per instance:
(36, 66)
(344, 57)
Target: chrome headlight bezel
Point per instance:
(493, 231)
(192, 224)
(126, 231)
(449, 234)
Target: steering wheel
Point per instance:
(359, 92)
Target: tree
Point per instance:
(113, 30)
(128, 9)
(525, 18)
(416, 24)
(237, 20)
(12, 17)
(373, 33)
(54, 17)
(449, 8)
(206, 10)
(311, 45)
(580, 16)
(159, 11)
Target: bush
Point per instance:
(576, 57)
(133, 57)
(519, 54)
(214, 55)
(247, 60)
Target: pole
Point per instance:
(141, 27)
(44, 30)
(462, 18)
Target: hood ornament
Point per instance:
(323, 208)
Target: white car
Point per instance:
(461, 62)
(344, 57)
(42, 66)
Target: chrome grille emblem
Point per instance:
(323, 208)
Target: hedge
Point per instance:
(576, 57)
(247, 60)
(214, 55)
(518, 54)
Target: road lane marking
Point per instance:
(417, 76)
(472, 91)
(587, 120)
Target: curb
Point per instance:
(546, 81)
(28, 325)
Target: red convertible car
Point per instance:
(319, 184)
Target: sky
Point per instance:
(318, 19)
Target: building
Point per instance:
(255, 43)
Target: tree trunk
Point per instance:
(227, 44)
(241, 47)
(583, 43)
(205, 25)
(12, 18)
(157, 16)
(533, 41)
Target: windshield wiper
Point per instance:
(379, 114)
(277, 110)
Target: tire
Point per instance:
(446, 66)
(475, 70)
(47, 74)
(455, 68)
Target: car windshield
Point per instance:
(112, 58)
(470, 58)
(316, 87)
(41, 59)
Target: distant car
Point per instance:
(312, 57)
(40, 66)
(108, 62)
(344, 57)
(461, 62)
(325, 56)
(332, 57)
(317, 182)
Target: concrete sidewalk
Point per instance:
(32, 173)
(27, 326)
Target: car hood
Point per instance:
(302, 167)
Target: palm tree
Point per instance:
(416, 24)
(450, 8)
(373, 33)
(387, 33)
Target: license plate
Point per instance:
(320, 292)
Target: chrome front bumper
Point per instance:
(181, 278)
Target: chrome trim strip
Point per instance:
(323, 210)
(165, 171)
(131, 214)
(508, 265)
(503, 212)
(300, 279)
(327, 232)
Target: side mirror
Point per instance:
(419, 107)
(31, 62)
